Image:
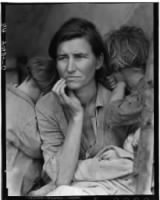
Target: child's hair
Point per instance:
(42, 71)
(127, 47)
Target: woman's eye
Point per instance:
(79, 56)
(61, 58)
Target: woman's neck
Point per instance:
(87, 94)
(27, 87)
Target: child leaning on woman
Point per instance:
(128, 49)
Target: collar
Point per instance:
(102, 94)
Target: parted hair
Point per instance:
(42, 71)
(127, 47)
(80, 28)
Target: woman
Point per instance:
(72, 118)
(24, 158)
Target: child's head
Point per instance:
(42, 71)
(128, 47)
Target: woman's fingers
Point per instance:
(57, 86)
(62, 94)
(59, 89)
(69, 100)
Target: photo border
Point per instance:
(156, 111)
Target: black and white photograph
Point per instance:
(78, 100)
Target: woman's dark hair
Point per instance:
(80, 28)
(42, 71)
(127, 47)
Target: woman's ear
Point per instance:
(100, 61)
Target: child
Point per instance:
(23, 145)
(128, 50)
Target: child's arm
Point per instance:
(124, 110)
(118, 92)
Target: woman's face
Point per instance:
(76, 63)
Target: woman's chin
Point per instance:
(73, 86)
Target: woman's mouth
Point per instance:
(72, 78)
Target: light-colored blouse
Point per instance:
(97, 132)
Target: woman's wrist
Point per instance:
(78, 117)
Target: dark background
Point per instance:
(31, 26)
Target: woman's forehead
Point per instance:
(74, 45)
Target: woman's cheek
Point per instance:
(87, 68)
(61, 70)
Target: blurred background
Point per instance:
(30, 27)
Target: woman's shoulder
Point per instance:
(49, 101)
(105, 89)
(104, 92)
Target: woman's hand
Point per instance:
(70, 101)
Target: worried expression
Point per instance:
(77, 63)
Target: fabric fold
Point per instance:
(110, 163)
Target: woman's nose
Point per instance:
(71, 65)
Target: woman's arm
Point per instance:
(60, 154)
(68, 156)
